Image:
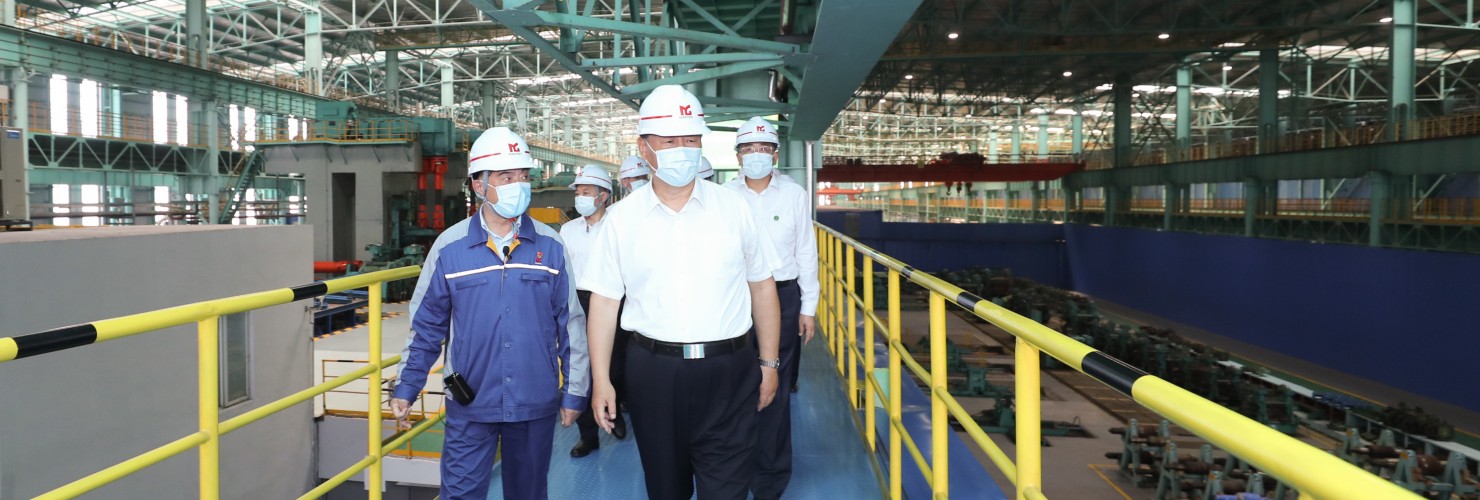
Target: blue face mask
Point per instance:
(513, 199)
(586, 205)
(638, 184)
(755, 165)
(677, 166)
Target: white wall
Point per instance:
(68, 414)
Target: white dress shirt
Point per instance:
(684, 274)
(579, 236)
(782, 210)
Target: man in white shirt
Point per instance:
(593, 190)
(696, 272)
(780, 210)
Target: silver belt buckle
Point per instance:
(693, 351)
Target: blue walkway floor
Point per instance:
(829, 458)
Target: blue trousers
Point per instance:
(469, 448)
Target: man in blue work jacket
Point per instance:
(496, 289)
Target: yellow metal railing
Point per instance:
(1313, 472)
(206, 315)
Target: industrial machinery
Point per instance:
(15, 212)
(1002, 419)
(382, 258)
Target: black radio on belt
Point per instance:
(458, 388)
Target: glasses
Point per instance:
(747, 149)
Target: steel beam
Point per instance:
(1122, 137)
(47, 54)
(528, 18)
(1077, 125)
(1184, 109)
(197, 37)
(1042, 136)
(449, 97)
(846, 57)
(642, 88)
(393, 79)
(685, 59)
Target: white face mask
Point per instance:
(755, 165)
(513, 199)
(637, 184)
(677, 166)
(586, 205)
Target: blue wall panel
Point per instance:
(1398, 317)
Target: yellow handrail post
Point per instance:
(840, 298)
(373, 481)
(939, 424)
(852, 335)
(207, 377)
(868, 354)
(896, 406)
(1029, 420)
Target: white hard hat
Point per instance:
(634, 166)
(706, 170)
(499, 149)
(671, 111)
(594, 176)
(756, 129)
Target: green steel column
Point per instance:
(1017, 140)
(1403, 69)
(1382, 197)
(20, 99)
(7, 17)
(197, 34)
(1077, 123)
(1043, 135)
(313, 47)
(1184, 110)
(992, 148)
(1038, 200)
(1122, 138)
(393, 79)
(1269, 100)
(1073, 199)
(1253, 198)
(489, 105)
(448, 97)
(1171, 201)
(209, 165)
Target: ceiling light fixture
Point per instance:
(1068, 73)
(952, 36)
(1227, 68)
(1385, 20)
(909, 77)
(1163, 36)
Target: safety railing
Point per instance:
(1313, 472)
(345, 131)
(206, 315)
(1425, 211)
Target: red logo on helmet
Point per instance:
(761, 128)
(514, 147)
(684, 110)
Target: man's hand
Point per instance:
(568, 416)
(402, 410)
(807, 326)
(604, 404)
(768, 387)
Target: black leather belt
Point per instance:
(697, 350)
(785, 284)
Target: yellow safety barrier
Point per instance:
(1309, 470)
(206, 315)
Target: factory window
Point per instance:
(292, 127)
(235, 372)
(249, 124)
(161, 200)
(87, 107)
(58, 104)
(233, 117)
(182, 119)
(61, 194)
(161, 114)
(91, 196)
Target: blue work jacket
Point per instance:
(516, 326)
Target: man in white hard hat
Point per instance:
(593, 190)
(634, 174)
(497, 291)
(706, 169)
(696, 272)
(781, 210)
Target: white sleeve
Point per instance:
(760, 254)
(806, 253)
(602, 271)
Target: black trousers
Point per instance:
(695, 422)
(587, 421)
(772, 455)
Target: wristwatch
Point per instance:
(771, 363)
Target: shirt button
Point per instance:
(509, 414)
(508, 379)
(508, 345)
(507, 309)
